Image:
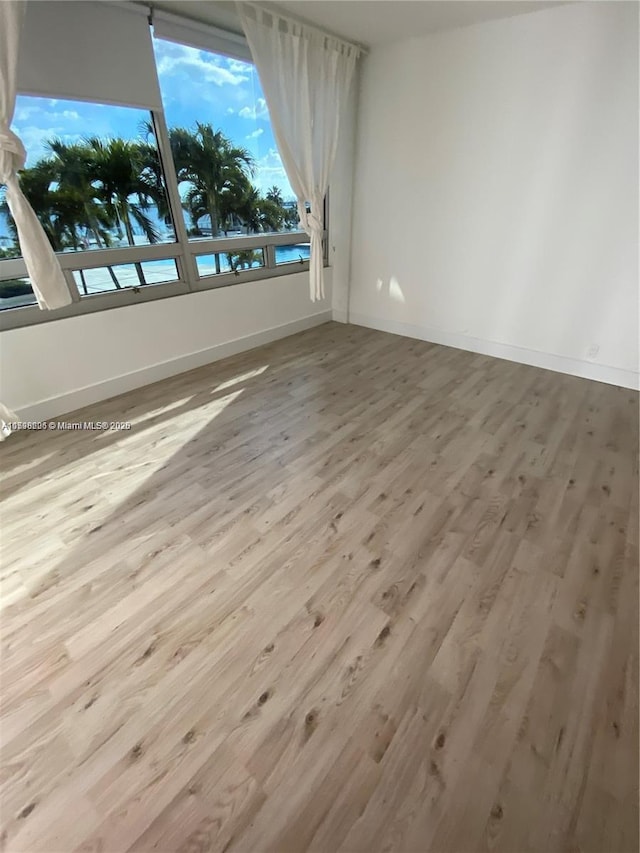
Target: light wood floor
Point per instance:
(347, 592)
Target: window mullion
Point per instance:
(270, 256)
(71, 284)
(186, 260)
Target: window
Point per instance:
(231, 178)
(98, 190)
(101, 279)
(145, 191)
(90, 190)
(235, 262)
(16, 293)
(294, 253)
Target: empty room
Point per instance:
(319, 373)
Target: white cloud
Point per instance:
(35, 140)
(256, 133)
(230, 111)
(238, 65)
(271, 161)
(25, 117)
(258, 110)
(23, 112)
(270, 171)
(214, 70)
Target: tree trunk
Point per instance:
(213, 216)
(96, 233)
(129, 231)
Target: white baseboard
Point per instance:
(549, 361)
(77, 399)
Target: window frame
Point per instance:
(183, 250)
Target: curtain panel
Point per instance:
(305, 76)
(47, 279)
(7, 417)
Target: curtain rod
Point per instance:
(230, 34)
(274, 10)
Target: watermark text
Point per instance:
(65, 426)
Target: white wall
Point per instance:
(496, 190)
(55, 367)
(341, 206)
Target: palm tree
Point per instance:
(73, 171)
(77, 199)
(246, 206)
(63, 199)
(125, 187)
(216, 169)
(259, 214)
(244, 259)
(274, 195)
(36, 185)
(271, 215)
(153, 170)
(289, 215)
(119, 168)
(94, 188)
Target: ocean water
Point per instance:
(165, 232)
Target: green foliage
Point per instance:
(275, 196)
(244, 260)
(97, 190)
(119, 170)
(216, 171)
(14, 287)
(8, 253)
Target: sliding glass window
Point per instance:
(91, 190)
(153, 175)
(232, 181)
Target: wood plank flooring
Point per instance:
(346, 592)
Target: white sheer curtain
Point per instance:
(47, 280)
(7, 417)
(305, 75)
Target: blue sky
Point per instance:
(195, 85)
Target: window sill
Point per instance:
(29, 315)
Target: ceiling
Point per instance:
(376, 22)
(368, 22)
